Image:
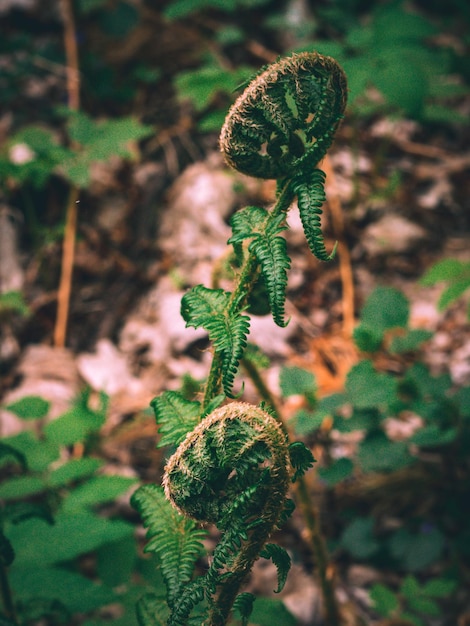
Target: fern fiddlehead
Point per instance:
(232, 470)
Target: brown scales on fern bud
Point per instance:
(286, 118)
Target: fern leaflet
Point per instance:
(301, 459)
(244, 605)
(281, 560)
(152, 611)
(310, 192)
(271, 251)
(209, 309)
(176, 416)
(175, 539)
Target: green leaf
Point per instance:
(174, 538)
(368, 388)
(310, 197)
(384, 601)
(424, 605)
(301, 459)
(17, 512)
(336, 472)
(447, 270)
(29, 407)
(73, 470)
(200, 86)
(76, 424)
(248, 223)
(7, 451)
(271, 251)
(281, 560)
(77, 593)
(244, 606)
(439, 587)
(21, 487)
(267, 612)
(97, 490)
(295, 380)
(72, 534)
(377, 453)
(176, 416)
(358, 538)
(39, 454)
(14, 301)
(152, 611)
(418, 550)
(367, 339)
(209, 309)
(453, 292)
(411, 341)
(385, 308)
(432, 435)
(115, 561)
(307, 422)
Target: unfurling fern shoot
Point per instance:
(233, 462)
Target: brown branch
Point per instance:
(344, 257)
(68, 247)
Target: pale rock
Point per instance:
(392, 234)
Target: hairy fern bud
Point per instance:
(235, 462)
(286, 118)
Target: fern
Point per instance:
(271, 252)
(301, 459)
(233, 463)
(209, 309)
(310, 192)
(244, 605)
(152, 611)
(174, 538)
(176, 416)
(281, 560)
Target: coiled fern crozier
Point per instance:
(233, 461)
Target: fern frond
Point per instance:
(174, 538)
(209, 309)
(281, 560)
(271, 251)
(301, 459)
(175, 416)
(152, 611)
(310, 191)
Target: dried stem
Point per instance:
(68, 247)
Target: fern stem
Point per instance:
(245, 282)
(320, 553)
(309, 511)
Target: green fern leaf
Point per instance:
(301, 459)
(310, 191)
(281, 560)
(174, 538)
(176, 416)
(248, 222)
(209, 309)
(152, 611)
(194, 593)
(244, 605)
(271, 251)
